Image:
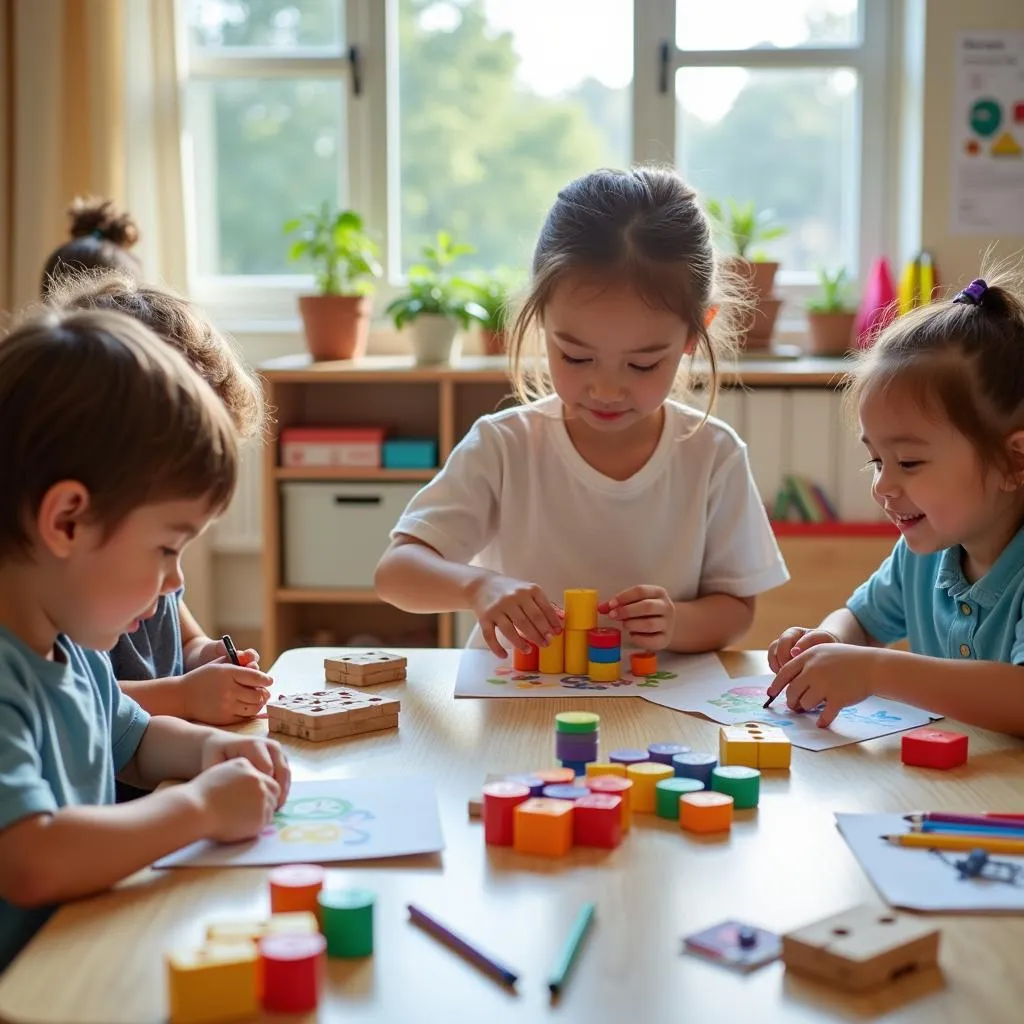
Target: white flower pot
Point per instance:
(435, 338)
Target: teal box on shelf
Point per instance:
(410, 454)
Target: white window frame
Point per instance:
(268, 302)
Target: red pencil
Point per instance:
(989, 818)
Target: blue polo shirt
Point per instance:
(65, 729)
(927, 600)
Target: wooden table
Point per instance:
(100, 960)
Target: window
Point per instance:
(468, 115)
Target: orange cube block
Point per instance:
(643, 663)
(645, 777)
(705, 811)
(543, 827)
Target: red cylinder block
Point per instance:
(526, 661)
(292, 971)
(500, 802)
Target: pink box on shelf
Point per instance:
(332, 447)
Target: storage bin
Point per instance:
(410, 453)
(324, 447)
(335, 533)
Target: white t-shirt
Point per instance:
(515, 496)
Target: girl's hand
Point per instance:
(835, 674)
(224, 694)
(647, 613)
(213, 650)
(265, 755)
(795, 640)
(519, 609)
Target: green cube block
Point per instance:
(346, 919)
(743, 784)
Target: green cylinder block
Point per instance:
(743, 784)
(346, 919)
(667, 794)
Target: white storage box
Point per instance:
(335, 533)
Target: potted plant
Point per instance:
(436, 304)
(344, 257)
(494, 293)
(831, 315)
(743, 230)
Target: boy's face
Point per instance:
(110, 585)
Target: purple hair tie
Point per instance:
(973, 293)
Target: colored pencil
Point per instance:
(949, 828)
(960, 841)
(985, 820)
(570, 951)
(229, 646)
(461, 945)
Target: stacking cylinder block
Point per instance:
(604, 654)
(605, 768)
(695, 765)
(643, 663)
(705, 812)
(580, 616)
(296, 887)
(500, 802)
(627, 756)
(551, 659)
(645, 777)
(346, 917)
(576, 739)
(292, 969)
(664, 752)
(526, 661)
(667, 793)
(740, 782)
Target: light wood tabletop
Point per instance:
(783, 865)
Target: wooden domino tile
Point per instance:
(365, 669)
(331, 714)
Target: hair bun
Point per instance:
(102, 219)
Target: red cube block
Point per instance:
(597, 821)
(934, 748)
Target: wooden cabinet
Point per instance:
(442, 403)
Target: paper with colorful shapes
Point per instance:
(337, 820)
(483, 674)
(742, 700)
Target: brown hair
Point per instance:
(185, 327)
(97, 398)
(643, 228)
(101, 237)
(964, 359)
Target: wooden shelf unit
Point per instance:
(444, 402)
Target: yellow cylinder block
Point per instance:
(576, 652)
(604, 671)
(580, 609)
(552, 658)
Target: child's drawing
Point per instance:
(335, 820)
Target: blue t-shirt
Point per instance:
(65, 729)
(927, 599)
(153, 651)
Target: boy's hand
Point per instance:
(238, 801)
(520, 610)
(214, 651)
(264, 755)
(795, 640)
(647, 613)
(224, 694)
(835, 674)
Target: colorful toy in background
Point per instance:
(877, 306)
(801, 500)
(919, 283)
(354, 448)
(584, 648)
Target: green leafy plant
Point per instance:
(833, 293)
(343, 254)
(494, 292)
(742, 226)
(432, 287)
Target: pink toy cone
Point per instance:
(878, 306)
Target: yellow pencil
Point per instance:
(958, 841)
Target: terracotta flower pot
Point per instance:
(495, 342)
(336, 326)
(829, 334)
(762, 323)
(759, 277)
(435, 338)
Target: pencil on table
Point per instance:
(570, 951)
(461, 945)
(958, 841)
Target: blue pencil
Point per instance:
(571, 949)
(948, 827)
(460, 945)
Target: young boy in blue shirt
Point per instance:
(115, 455)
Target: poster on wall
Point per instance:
(988, 134)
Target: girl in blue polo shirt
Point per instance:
(940, 399)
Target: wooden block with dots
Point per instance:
(218, 982)
(331, 714)
(365, 669)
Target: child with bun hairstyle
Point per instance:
(940, 400)
(102, 237)
(601, 477)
